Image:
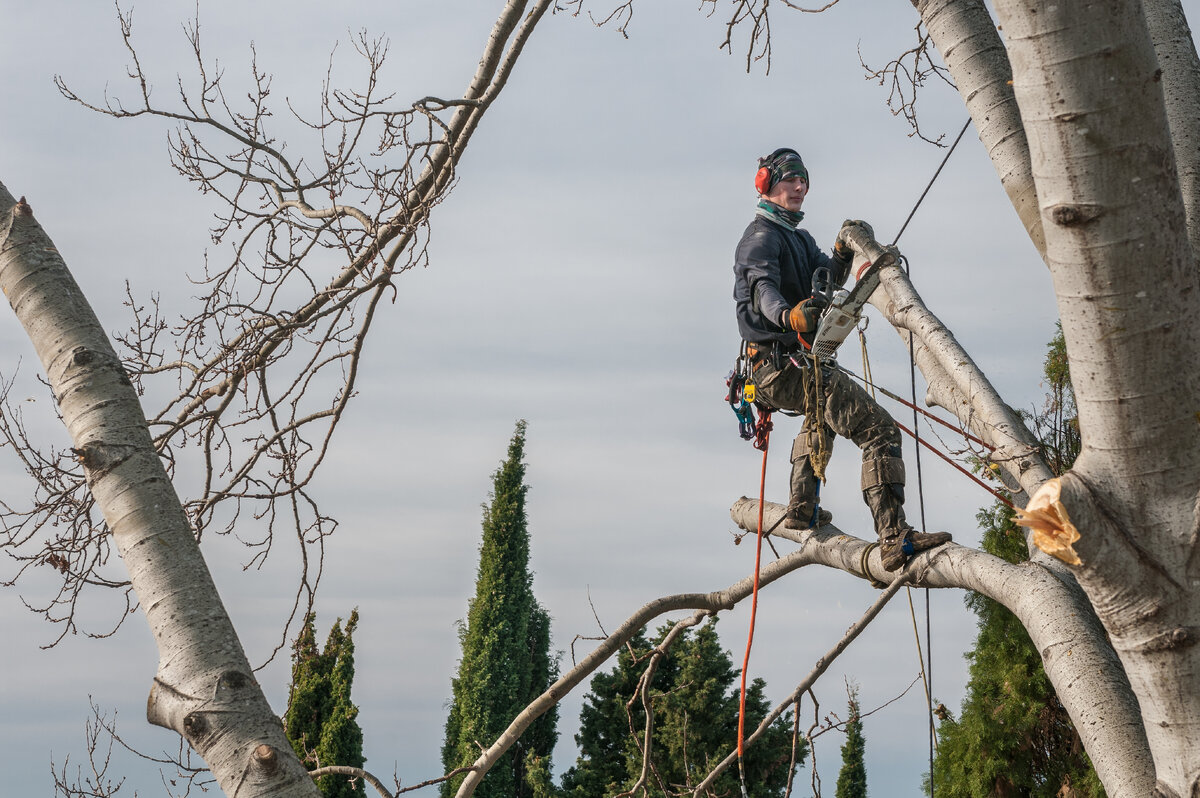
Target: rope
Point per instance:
(764, 427)
(814, 419)
(864, 567)
(958, 466)
(867, 381)
(919, 440)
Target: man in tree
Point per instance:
(777, 314)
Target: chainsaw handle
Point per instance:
(822, 284)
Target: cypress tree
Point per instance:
(852, 779)
(321, 719)
(505, 641)
(695, 696)
(1013, 737)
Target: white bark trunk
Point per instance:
(1045, 596)
(1079, 663)
(204, 688)
(964, 34)
(1176, 51)
(1087, 81)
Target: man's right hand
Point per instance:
(804, 317)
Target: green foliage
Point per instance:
(321, 719)
(505, 641)
(1057, 426)
(1013, 737)
(694, 695)
(852, 779)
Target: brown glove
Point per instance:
(804, 317)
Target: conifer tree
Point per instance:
(1013, 736)
(321, 719)
(695, 699)
(852, 779)
(506, 660)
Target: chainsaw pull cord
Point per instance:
(764, 438)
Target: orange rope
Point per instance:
(765, 437)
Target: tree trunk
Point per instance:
(966, 37)
(1090, 91)
(1176, 51)
(204, 688)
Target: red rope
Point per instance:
(922, 411)
(952, 462)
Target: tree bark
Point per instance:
(1090, 91)
(204, 688)
(1176, 52)
(966, 37)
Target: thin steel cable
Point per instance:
(920, 486)
(933, 179)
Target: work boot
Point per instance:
(897, 547)
(798, 519)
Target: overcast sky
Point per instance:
(580, 278)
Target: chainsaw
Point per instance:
(845, 307)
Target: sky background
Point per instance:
(580, 278)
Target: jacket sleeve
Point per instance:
(757, 264)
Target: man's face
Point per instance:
(788, 193)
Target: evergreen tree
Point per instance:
(505, 641)
(852, 779)
(321, 720)
(1013, 737)
(695, 698)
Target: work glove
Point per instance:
(841, 248)
(804, 317)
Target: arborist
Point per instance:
(777, 314)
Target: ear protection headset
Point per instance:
(768, 171)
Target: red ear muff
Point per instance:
(762, 180)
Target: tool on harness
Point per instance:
(741, 397)
(845, 307)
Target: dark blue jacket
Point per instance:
(772, 273)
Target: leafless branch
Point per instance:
(905, 75)
(178, 775)
(260, 375)
(359, 773)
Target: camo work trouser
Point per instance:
(848, 411)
